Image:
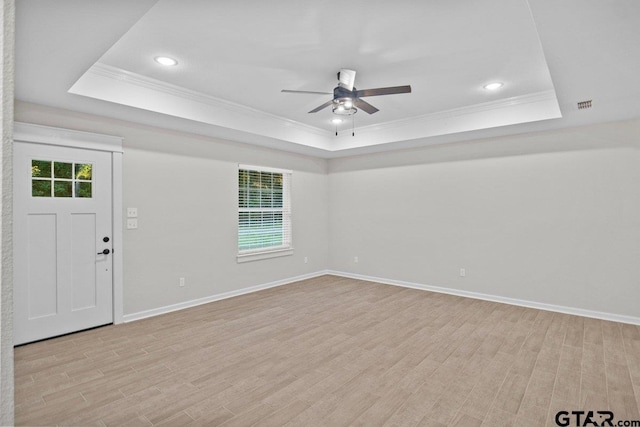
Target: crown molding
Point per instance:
(111, 84)
(118, 74)
(495, 114)
(119, 86)
(497, 105)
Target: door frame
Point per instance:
(38, 134)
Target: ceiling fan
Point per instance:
(346, 97)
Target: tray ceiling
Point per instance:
(235, 57)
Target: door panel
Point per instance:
(42, 268)
(83, 258)
(62, 211)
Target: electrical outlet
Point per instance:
(355, 259)
(181, 283)
(306, 259)
(463, 272)
(132, 212)
(132, 223)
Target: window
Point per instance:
(60, 179)
(264, 213)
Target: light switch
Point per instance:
(132, 212)
(132, 223)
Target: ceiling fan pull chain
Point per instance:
(353, 125)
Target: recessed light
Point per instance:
(165, 60)
(493, 86)
(336, 121)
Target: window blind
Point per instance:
(264, 209)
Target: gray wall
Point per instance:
(551, 218)
(7, 15)
(185, 189)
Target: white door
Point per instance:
(63, 280)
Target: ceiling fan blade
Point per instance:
(383, 91)
(365, 106)
(306, 91)
(346, 78)
(325, 105)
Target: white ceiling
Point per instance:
(235, 57)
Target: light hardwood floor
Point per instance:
(331, 351)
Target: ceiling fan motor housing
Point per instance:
(340, 92)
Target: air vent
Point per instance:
(584, 104)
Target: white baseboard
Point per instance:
(192, 303)
(487, 297)
(495, 298)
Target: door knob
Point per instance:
(105, 252)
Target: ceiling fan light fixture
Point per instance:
(341, 111)
(493, 86)
(336, 121)
(344, 107)
(166, 61)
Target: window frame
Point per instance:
(286, 248)
(53, 179)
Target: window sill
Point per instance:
(256, 256)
